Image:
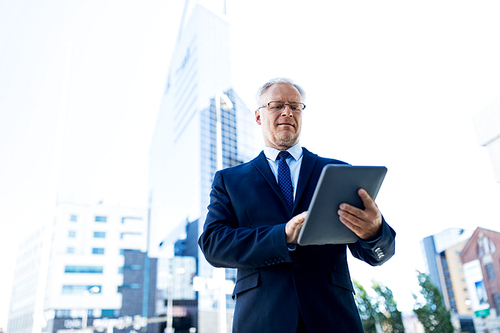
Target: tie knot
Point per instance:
(283, 155)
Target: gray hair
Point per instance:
(278, 80)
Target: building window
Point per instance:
(78, 289)
(97, 250)
(73, 218)
(490, 271)
(496, 300)
(122, 251)
(70, 250)
(100, 218)
(130, 218)
(83, 269)
(130, 267)
(71, 234)
(453, 304)
(110, 313)
(125, 234)
(129, 286)
(99, 234)
(63, 313)
(132, 286)
(480, 250)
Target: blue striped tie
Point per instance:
(284, 179)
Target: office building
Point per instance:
(138, 288)
(26, 288)
(177, 300)
(481, 265)
(71, 271)
(184, 149)
(442, 258)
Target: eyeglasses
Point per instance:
(276, 106)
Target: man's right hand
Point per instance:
(293, 226)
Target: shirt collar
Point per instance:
(272, 153)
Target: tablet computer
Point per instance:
(338, 184)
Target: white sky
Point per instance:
(388, 83)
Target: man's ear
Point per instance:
(257, 117)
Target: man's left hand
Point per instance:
(364, 223)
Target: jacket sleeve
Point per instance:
(225, 244)
(378, 251)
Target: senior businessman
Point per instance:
(255, 214)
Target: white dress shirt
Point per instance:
(294, 163)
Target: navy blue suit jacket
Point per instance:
(245, 229)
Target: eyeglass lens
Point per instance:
(276, 106)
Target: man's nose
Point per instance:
(286, 112)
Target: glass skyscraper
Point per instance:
(183, 155)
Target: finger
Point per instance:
(367, 200)
(293, 227)
(299, 219)
(302, 216)
(347, 223)
(356, 226)
(352, 211)
(351, 219)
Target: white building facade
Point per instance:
(76, 271)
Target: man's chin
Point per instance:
(287, 141)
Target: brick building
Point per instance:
(481, 264)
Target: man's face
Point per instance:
(281, 129)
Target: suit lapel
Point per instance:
(306, 168)
(308, 162)
(260, 162)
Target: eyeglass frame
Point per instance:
(266, 105)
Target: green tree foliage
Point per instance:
(388, 315)
(431, 312)
(366, 309)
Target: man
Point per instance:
(254, 219)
